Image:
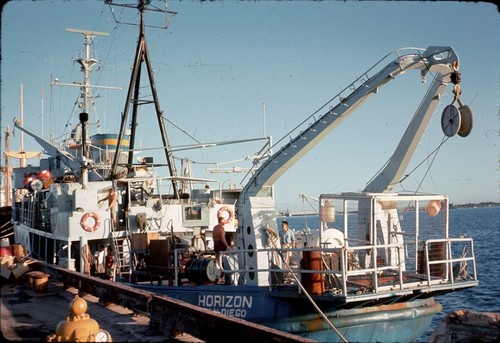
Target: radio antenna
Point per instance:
(142, 6)
(142, 56)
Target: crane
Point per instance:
(255, 206)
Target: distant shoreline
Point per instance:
(452, 206)
(474, 205)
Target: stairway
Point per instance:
(125, 261)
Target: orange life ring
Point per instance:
(97, 220)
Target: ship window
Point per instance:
(192, 212)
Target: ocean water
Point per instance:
(483, 225)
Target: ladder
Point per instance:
(125, 261)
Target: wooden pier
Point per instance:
(168, 316)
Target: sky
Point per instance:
(230, 70)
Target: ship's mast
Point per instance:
(142, 56)
(22, 160)
(7, 169)
(87, 63)
(21, 155)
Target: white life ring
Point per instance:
(97, 221)
(230, 212)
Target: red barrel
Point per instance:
(312, 282)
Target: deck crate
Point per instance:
(140, 241)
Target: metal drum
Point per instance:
(201, 270)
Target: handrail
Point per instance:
(302, 288)
(375, 279)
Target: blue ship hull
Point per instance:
(403, 322)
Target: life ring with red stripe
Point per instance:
(97, 221)
(226, 218)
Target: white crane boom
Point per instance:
(435, 59)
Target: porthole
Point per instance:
(250, 253)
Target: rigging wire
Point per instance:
(434, 154)
(180, 129)
(428, 71)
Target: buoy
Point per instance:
(44, 174)
(433, 207)
(327, 212)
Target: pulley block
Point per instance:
(450, 120)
